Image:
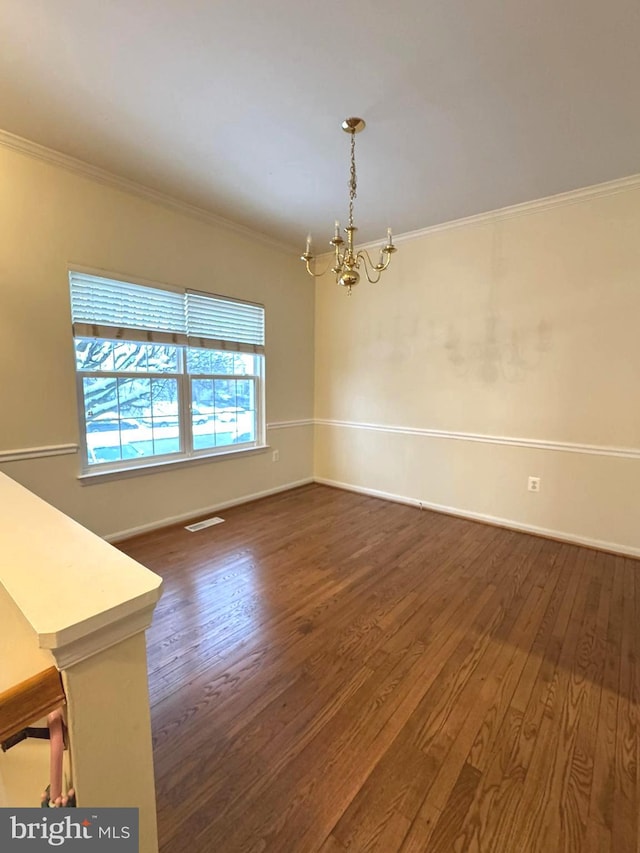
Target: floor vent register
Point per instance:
(200, 525)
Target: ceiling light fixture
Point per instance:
(347, 262)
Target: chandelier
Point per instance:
(348, 261)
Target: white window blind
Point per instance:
(118, 310)
(224, 323)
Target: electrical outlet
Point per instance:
(533, 484)
(275, 456)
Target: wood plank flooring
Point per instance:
(331, 672)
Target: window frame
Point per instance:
(184, 382)
(187, 453)
(96, 467)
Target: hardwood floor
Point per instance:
(331, 672)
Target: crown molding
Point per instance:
(620, 185)
(525, 208)
(87, 170)
(102, 176)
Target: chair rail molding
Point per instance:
(533, 443)
(290, 424)
(21, 453)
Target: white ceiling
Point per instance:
(235, 107)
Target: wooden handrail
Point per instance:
(23, 704)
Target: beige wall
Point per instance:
(517, 327)
(51, 218)
(493, 351)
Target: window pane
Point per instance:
(244, 364)
(222, 412)
(134, 397)
(164, 358)
(100, 399)
(223, 362)
(246, 414)
(204, 435)
(212, 361)
(131, 357)
(225, 395)
(244, 394)
(93, 355)
(199, 360)
(126, 357)
(226, 431)
(226, 427)
(130, 418)
(202, 398)
(165, 416)
(202, 413)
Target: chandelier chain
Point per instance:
(353, 181)
(349, 261)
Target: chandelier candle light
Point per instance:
(347, 261)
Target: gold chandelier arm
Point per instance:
(370, 268)
(307, 261)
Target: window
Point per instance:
(164, 374)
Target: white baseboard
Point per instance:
(194, 513)
(509, 523)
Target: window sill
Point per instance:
(89, 478)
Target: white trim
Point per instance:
(525, 208)
(37, 452)
(533, 443)
(631, 182)
(87, 170)
(289, 424)
(154, 467)
(100, 596)
(108, 635)
(194, 513)
(561, 535)
(102, 176)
